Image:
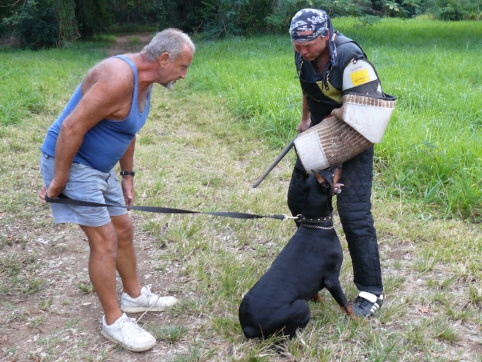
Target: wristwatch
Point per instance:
(128, 173)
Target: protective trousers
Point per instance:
(354, 208)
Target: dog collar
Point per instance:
(314, 220)
(315, 226)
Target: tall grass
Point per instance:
(33, 82)
(431, 153)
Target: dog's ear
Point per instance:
(321, 180)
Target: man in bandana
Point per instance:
(323, 58)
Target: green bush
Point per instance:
(35, 25)
(452, 11)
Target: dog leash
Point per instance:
(62, 199)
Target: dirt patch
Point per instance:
(129, 43)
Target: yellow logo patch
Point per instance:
(360, 77)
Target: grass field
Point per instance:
(204, 145)
(431, 153)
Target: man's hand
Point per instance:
(128, 190)
(54, 190)
(304, 125)
(42, 193)
(338, 113)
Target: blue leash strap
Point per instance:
(62, 199)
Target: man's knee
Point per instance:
(123, 227)
(102, 239)
(356, 219)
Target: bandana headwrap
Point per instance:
(316, 21)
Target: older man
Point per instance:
(96, 130)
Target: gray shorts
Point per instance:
(85, 184)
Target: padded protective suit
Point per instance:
(324, 92)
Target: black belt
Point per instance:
(62, 199)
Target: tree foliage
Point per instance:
(35, 24)
(45, 23)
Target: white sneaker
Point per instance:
(147, 301)
(128, 334)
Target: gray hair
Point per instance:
(170, 40)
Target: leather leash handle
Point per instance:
(275, 162)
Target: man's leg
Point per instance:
(126, 256)
(104, 255)
(102, 267)
(135, 298)
(354, 208)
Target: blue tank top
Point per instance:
(105, 143)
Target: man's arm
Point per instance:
(360, 77)
(127, 164)
(305, 116)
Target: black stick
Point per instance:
(275, 162)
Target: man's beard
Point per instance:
(169, 86)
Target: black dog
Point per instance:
(278, 302)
